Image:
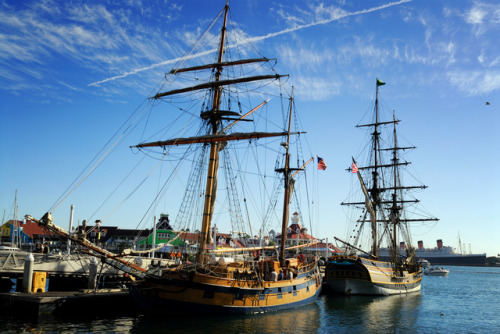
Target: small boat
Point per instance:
(9, 249)
(424, 263)
(379, 258)
(436, 271)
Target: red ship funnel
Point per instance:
(440, 243)
(402, 245)
(420, 244)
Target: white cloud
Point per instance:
(294, 57)
(483, 17)
(475, 15)
(316, 89)
(91, 37)
(448, 52)
(475, 83)
(495, 62)
(290, 19)
(46, 6)
(447, 12)
(91, 14)
(103, 39)
(329, 13)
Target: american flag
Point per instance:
(321, 164)
(354, 168)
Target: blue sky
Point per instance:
(71, 72)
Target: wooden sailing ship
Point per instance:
(244, 284)
(384, 220)
(241, 279)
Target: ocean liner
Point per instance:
(446, 255)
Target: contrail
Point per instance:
(364, 11)
(148, 68)
(255, 39)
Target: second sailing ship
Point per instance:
(389, 265)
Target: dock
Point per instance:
(54, 303)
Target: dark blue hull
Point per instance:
(458, 260)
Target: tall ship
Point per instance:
(220, 100)
(382, 210)
(447, 255)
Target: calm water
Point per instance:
(467, 301)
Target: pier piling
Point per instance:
(28, 273)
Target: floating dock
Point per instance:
(66, 302)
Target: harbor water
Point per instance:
(466, 301)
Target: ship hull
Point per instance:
(454, 260)
(358, 276)
(178, 293)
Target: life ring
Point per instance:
(301, 258)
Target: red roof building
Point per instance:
(297, 234)
(29, 231)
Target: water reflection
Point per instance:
(370, 314)
(301, 320)
(466, 302)
(9, 324)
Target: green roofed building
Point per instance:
(164, 235)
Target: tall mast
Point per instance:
(286, 177)
(375, 190)
(213, 164)
(216, 136)
(395, 208)
(375, 204)
(15, 225)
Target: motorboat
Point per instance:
(436, 271)
(424, 263)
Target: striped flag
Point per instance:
(321, 164)
(354, 168)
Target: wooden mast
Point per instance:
(374, 190)
(213, 164)
(286, 177)
(216, 137)
(395, 209)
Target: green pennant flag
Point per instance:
(380, 83)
